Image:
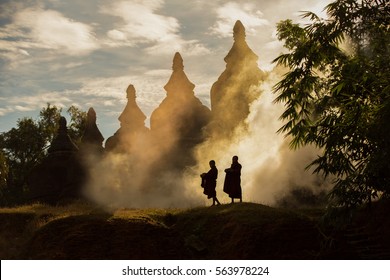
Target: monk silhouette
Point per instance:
(209, 182)
(232, 184)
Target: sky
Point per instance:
(86, 53)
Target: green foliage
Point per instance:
(337, 95)
(48, 122)
(24, 146)
(78, 121)
(3, 175)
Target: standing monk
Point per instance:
(209, 182)
(232, 185)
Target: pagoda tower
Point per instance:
(181, 116)
(62, 142)
(92, 137)
(59, 177)
(237, 87)
(132, 125)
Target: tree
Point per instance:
(337, 95)
(48, 122)
(3, 176)
(77, 124)
(25, 146)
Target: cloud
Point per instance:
(229, 13)
(39, 100)
(141, 24)
(104, 92)
(30, 103)
(116, 35)
(175, 43)
(36, 28)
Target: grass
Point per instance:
(239, 231)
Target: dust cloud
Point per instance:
(271, 170)
(139, 177)
(143, 176)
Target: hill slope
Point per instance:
(239, 231)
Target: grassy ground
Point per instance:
(239, 231)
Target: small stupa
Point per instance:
(59, 177)
(132, 125)
(62, 142)
(237, 87)
(92, 137)
(181, 116)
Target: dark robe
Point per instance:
(232, 184)
(209, 182)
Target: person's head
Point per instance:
(235, 159)
(212, 163)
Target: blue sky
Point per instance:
(86, 53)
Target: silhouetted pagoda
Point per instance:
(92, 139)
(62, 142)
(237, 87)
(132, 122)
(181, 116)
(59, 177)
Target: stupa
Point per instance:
(237, 87)
(181, 116)
(92, 138)
(59, 177)
(62, 142)
(132, 125)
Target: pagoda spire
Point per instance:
(239, 31)
(62, 142)
(179, 84)
(177, 64)
(237, 86)
(132, 124)
(92, 135)
(240, 53)
(132, 118)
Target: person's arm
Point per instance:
(236, 169)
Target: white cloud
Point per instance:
(116, 35)
(175, 43)
(113, 88)
(37, 28)
(5, 111)
(24, 52)
(28, 103)
(51, 30)
(141, 23)
(23, 108)
(229, 13)
(38, 100)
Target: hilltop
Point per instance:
(239, 231)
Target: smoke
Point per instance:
(139, 177)
(144, 168)
(144, 176)
(271, 170)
